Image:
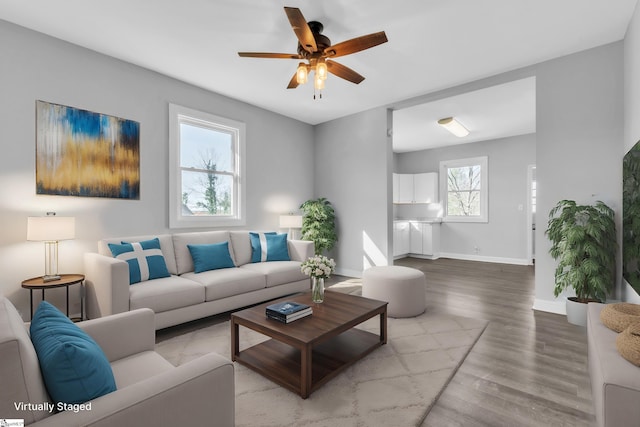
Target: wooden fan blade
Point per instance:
(269, 55)
(294, 82)
(301, 28)
(356, 45)
(344, 72)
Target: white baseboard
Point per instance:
(349, 273)
(481, 258)
(557, 307)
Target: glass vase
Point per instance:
(317, 289)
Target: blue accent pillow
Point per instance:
(269, 247)
(145, 259)
(210, 256)
(73, 366)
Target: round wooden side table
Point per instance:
(65, 280)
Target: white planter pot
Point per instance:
(576, 312)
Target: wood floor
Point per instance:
(529, 368)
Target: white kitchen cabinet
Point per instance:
(425, 188)
(416, 238)
(405, 188)
(425, 239)
(415, 188)
(401, 238)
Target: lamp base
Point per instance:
(50, 278)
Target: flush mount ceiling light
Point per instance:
(317, 50)
(454, 126)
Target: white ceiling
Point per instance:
(496, 112)
(433, 45)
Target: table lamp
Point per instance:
(291, 221)
(50, 229)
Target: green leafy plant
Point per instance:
(583, 241)
(318, 224)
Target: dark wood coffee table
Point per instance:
(303, 355)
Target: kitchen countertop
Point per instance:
(427, 220)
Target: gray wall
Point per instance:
(33, 66)
(504, 237)
(353, 171)
(631, 106)
(579, 137)
(579, 143)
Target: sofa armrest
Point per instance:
(106, 284)
(300, 250)
(123, 334)
(198, 393)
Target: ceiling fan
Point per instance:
(316, 49)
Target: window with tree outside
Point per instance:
(465, 189)
(206, 169)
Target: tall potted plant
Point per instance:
(318, 224)
(583, 242)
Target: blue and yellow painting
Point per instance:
(87, 154)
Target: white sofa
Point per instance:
(150, 391)
(615, 382)
(187, 295)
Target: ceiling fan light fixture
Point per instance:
(454, 126)
(321, 70)
(318, 82)
(302, 74)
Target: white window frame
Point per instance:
(177, 115)
(445, 165)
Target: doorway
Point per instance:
(531, 214)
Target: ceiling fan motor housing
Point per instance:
(322, 41)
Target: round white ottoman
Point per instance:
(402, 287)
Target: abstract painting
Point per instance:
(87, 154)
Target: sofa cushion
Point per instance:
(211, 256)
(165, 294)
(228, 282)
(277, 272)
(19, 369)
(269, 247)
(166, 246)
(145, 259)
(184, 262)
(74, 367)
(241, 247)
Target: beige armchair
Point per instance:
(150, 390)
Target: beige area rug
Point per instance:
(396, 385)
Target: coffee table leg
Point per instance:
(383, 327)
(306, 371)
(235, 342)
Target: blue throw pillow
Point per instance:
(269, 247)
(210, 256)
(73, 366)
(145, 259)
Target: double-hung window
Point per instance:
(464, 186)
(206, 160)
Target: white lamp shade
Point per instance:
(290, 221)
(51, 228)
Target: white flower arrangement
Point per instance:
(318, 266)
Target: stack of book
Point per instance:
(287, 312)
